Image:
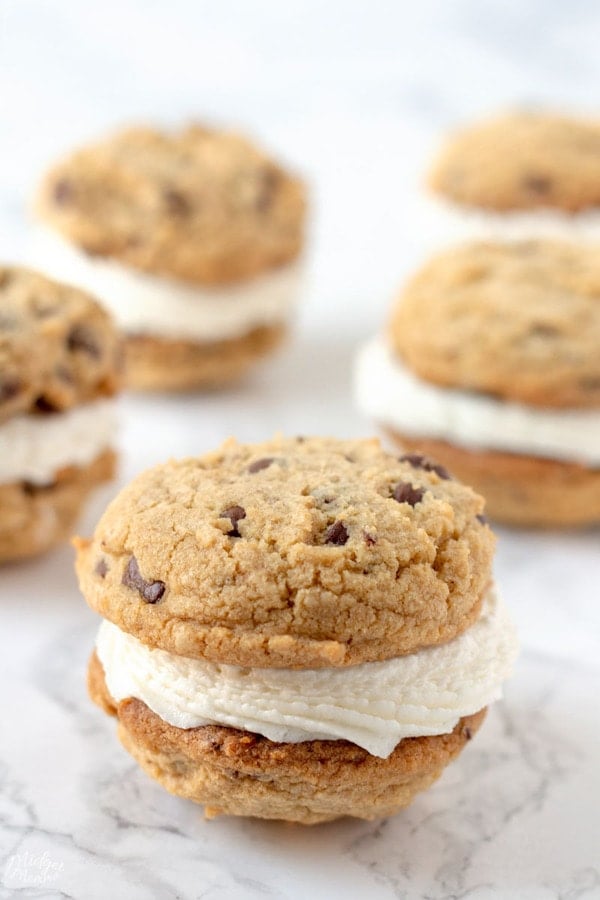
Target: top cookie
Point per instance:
(58, 347)
(292, 553)
(522, 161)
(200, 205)
(520, 321)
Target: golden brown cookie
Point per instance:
(238, 773)
(201, 205)
(519, 321)
(58, 348)
(179, 365)
(293, 553)
(60, 361)
(522, 161)
(35, 518)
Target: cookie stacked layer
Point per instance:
(191, 238)
(302, 629)
(491, 361)
(59, 364)
(521, 175)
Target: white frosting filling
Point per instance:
(164, 307)
(389, 392)
(34, 448)
(447, 222)
(374, 705)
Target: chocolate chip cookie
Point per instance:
(192, 239)
(288, 589)
(491, 361)
(60, 358)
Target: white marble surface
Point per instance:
(352, 92)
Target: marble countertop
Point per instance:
(355, 98)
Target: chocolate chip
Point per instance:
(337, 534)
(483, 519)
(537, 184)
(467, 733)
(63, 192)
(370, 540)
(9, 388)
(63, 374)
(590, 383)
(269, 181)
(82, 339)
(234, 514)
(406, 493)
(259, 464)
(101, 568)
(43, 405)
(541, 329)
(151, 591)
(428, 465)
(176, 202)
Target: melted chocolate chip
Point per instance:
(9, 388)
(150, 591)
(337, 534)
(63, 192)
(43, 405)
(176, 202)
(63, 374)
(590, 383)
(483, 519)
(259, 464)
(428, 465)
(101, 568)
(234, 514)
(467, 733)
(82, 339)
(537, 184)
(268, 185)
(543, 330)
(406, 493)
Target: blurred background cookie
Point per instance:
(302, 629)
(59, 369)
(520, 175)
(191, 238)
(490, 361)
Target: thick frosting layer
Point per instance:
(152, 305)
(374, 705)
(34, 448)
(445, 223)
(389, 392)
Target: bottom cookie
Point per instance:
(519, 490)
(238, 773)
(34, 519)
(177, 365)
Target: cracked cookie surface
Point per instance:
(58, 348)
(519, 321)
(522, 161)
(293, 553)
(198, 204)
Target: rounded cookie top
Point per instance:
(519, 321)
(200, 205)
(292, 553)
(58, 347)
(522, 161)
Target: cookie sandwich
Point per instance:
(302, 629)
(191, 238)
(519, 176)
(491, 362)
(59, 370)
